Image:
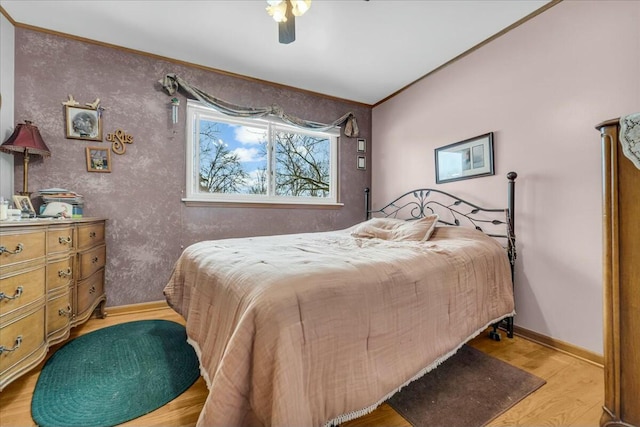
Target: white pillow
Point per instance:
(397, 229)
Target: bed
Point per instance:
(319, 328)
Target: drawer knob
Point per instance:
(65, 273)
(19, 249)
(92, 290)
(67, 312)
(15, 346)
(19, 290)
(64, 240)
(92, 234)
(94, 259)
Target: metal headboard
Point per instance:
(417, 203)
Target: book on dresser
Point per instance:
(51, 279)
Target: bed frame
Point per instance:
(497, 223)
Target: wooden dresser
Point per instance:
(51, 279)
(621, 276)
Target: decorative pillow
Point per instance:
(385, 223)
(397, 229)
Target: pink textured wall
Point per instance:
(541, 88)
(148, 225)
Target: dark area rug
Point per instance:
(114, 374)
(468, 390)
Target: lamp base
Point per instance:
(25, 175)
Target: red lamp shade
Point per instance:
(26, 139)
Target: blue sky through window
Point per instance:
(246, 142)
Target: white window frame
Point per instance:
(197, 111)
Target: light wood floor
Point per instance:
(573, 395)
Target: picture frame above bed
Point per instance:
(471, 158)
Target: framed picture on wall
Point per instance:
(466, 159)
(98, 159)
(362, 163)
(362, 145)
(83, 123)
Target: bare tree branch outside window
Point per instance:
(234, 159)
(302, 165)
(220, 170)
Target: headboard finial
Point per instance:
(512, 176)
(367, 204)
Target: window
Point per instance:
(232, 159)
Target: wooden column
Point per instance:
(621, 281)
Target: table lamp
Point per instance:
(26, 139)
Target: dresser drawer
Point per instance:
(88, 292)
(90, 235)
(91, 261)
(24, 336)
(59, 273)
(27, 246)
(19, 290)
(59, 240)
(52, 281)
(59, 312)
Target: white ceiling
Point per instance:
(357, 50)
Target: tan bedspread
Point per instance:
(305, 329)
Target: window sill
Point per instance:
(254, 204)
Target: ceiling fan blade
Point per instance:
(287, 29)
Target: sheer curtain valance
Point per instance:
(172, 83)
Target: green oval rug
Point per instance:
(114, 374)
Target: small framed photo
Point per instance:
(83, 123)
(24, 204)
(362, 145)
(98, 159)
(362, 162)
(466, 159)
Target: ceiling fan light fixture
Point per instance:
(284, 12)
(278, 10)
(299, 7)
